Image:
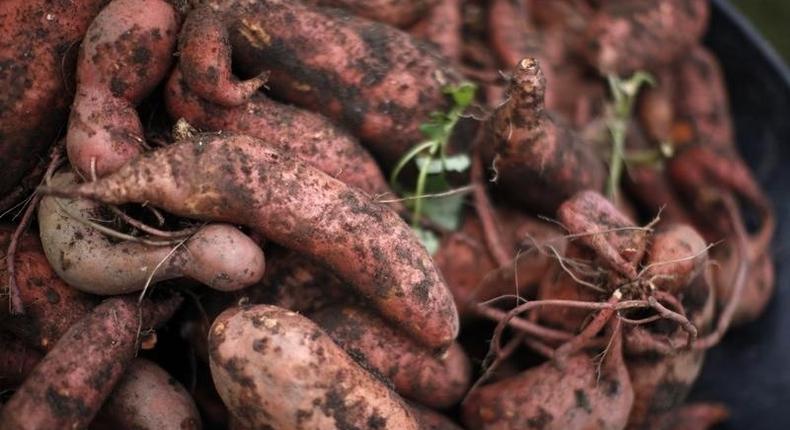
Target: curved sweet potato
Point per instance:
(242, 180)
(381, 84)
(38, 42)
(70, 384)
(399, 13)
(437, 382)
(148, 398)
(218, 255)
(275, 368)
(127, 52)
(547, 397)
(531, 153)
(305, 134)
(759, 288)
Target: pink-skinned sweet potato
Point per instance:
(217, 255)
(239, 179)
(305, 134)
(70, 384)
(398, 13)
(442, 28)
(38, 47)
(127, 52)
(414, 372)
(276, 369)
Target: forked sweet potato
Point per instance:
(217, 255)
(414, 372)
(275, 368)
(128, 50)
(240, 179)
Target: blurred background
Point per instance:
(772, 19)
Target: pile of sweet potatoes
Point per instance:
(198, 230)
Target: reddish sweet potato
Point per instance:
(625, 36)
(759, 287)
(442, 28)
(70, 384)
(550, 398)
(382, 84)
(431, 420)
(240, 179)
(38, 42)
(218, 255)
(437, 382)
(699, 416)
(307, 135)
(531, 153)
(399, 13)
(148, 398)
(127, 52)
(676, 256)
(275, 368)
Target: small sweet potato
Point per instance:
(548, 397)
(676, 256)
(305, 134)
(38, 46)
(275, 368)
(414, 372)
(148, 398)
(239, 179)
(127, 52)
(530, 152)
(70, 384)
(218, 255)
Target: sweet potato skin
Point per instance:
(127, 51)
(241, 180)
(398, 13)
(37, 51)
(218, 255)
(415, 373)
(442, 28)
(275, 368)
(305, 134)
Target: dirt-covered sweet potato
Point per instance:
(432, 420)
(70, 384)
(275, 368)
(38, 46)
(399, 13)
(239, 179)
(414, 372)
(377, 81)
(218, 255)
(531, 153)
(148, 398)
(581, 396)
(305, 134)
(128, 50)
(441, 27)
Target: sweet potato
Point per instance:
(759, 288)
(431, 420)
(531, 153)
(677, 256)
(624, 36)
(550, 398)
(398, 13)
(307, 135)
(128, 51)
(148, 398)
(38, 42)
(382, 85)
(218, 255)
(275, 368)
(442, 28)
(17, 360)
(69, 385)
(699, 416)
(205, 61)
(437, 382)
(239, 179)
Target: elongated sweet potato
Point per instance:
(218, 255)
(240, 179)
(531, 153)
(128, 50)
(69, 385)
(275, 368)
(442, 28)
(415, 373)
(759, 288)
(399, 13)
(382, 84)
(148, 398)
(38, 46)
(550, 398)
(305, 134)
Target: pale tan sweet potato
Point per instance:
(275, 368)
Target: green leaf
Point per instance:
(456, 163)
(407, 157)
(445, 211)
(463, 94)
(434, 165)
(428, 239)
